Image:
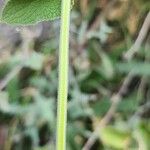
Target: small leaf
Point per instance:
(35, 61)
(24, 12)
(115, 138)
(143, 134)
(107, 68)
(137, 68)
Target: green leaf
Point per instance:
(35, 61)
(137, 68)
(4, 102)
(101, 107)
(115, 138)
(107, 68)
(142, 133)
(24, 12)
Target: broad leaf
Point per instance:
(23, 12)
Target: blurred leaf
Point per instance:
(33, 133)
(4, 103)
(13, 89)
(35, 61)
(107, 68)
(91, 82)
(72, 133)
(51, 146)
(115, 138)
(128, 105)
(39, 82)
(76, 110)
(143, 132)
(138, 68)
(101, 107)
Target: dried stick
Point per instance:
(116, 98)
(140, 39)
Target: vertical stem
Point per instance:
(63, 76)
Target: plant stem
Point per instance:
(63, 76)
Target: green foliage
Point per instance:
(35, 61)
(138, 68)
(143, 133)
(115, 138)
(23, 12)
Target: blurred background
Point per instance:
(109, 79)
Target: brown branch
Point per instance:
(116, 98)
(140, 39)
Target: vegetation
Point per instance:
(109, 86)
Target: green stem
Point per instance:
(63, 76)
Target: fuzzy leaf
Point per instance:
(25, 12)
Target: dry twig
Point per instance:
(116, 98)
(140, 39)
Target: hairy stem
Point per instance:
(63, 76)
